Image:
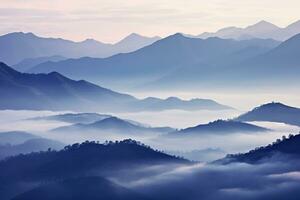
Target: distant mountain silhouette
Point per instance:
(76, 161)
(91, 188)
(157, 104)
(285, 55)
(285, 148)
(262, 29)
(113, 124)
(282, 59)
(28, 63)
(18, 46)
(133, 42)
(83, 118)
(53, 91)
(15, 137)
(273, 112)
(280, 64)
(220, 127)
(32, 145)
(145, 65)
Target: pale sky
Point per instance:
(111, 20)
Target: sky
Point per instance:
(111, 20)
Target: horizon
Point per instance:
(61, 19)
(147, 36)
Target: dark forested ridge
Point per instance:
(285, 148)
(77, 160)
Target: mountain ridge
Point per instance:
(262, 29)
(20, 46)
(220, 127)
(144, 65)
(273, 112)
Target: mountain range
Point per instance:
(17, 46)
(78, 161)
(73, 118)
(112, 125)
(262, 29)
(162, 58)
(220, 127)
(273, 112)
(54, 91)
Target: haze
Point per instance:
(109, 21)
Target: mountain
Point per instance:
(78, 161)
(278, 67)
(54, 92)
(288, 52)
(220, 127)
(15, 137)
(159, 59)
(115, 125)
(273, 112)
(19, 46)
(91, 188)
(174, 103)
(262, 29)
(28, 63)
(32, 145)
(133, 42)
(73, 159)
(285, 148)
(83, 118)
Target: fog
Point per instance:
(275, 179)
(228, 143)
(242, 99)
(178, 118)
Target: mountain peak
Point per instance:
(223, 127)
(56, 74)
(136, 40)
(111, 121)
(178, 35)
(273, 112)
(132, 37)
(20, 35)
(262, 26)
(272, 105)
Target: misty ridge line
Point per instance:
(20, 92)
(191, 63)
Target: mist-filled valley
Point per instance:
(211, 114)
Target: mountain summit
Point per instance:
(273, 112)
